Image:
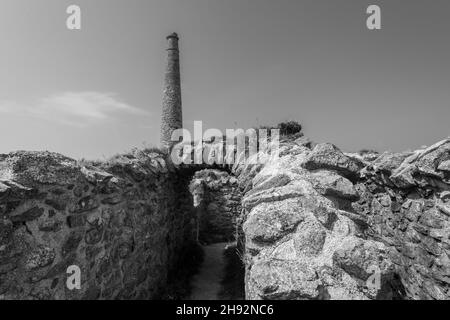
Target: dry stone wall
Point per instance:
(218, 203)
(315, 223)
(124, 223)
(405, 198)
(321, 224)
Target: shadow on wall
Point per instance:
(179, 278)
(233, 285)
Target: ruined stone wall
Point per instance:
(321, 224)
(405, 198)
(218, 201)
(124, 223)
(315, 223)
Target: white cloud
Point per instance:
(74, 108)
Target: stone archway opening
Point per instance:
(217, 204)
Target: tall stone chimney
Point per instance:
(171, 114)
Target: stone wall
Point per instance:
(316, 223)
(218, 203)
(124, 223)
(321, 224)
(405, 198)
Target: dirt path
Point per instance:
(206, 285)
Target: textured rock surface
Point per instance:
(407, 209)
(217, 200)
(124, 223)
(321, 224)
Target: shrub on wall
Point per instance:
(286, 128)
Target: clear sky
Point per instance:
(96, 92)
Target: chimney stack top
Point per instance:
(172, 35)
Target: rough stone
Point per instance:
(432, 218)
(71, 243)
(57, 203)
(28, 215)
(444, 166)
(32, 168)
(328, 156)
(388, 161)
(85, 204)
(268, 222)
(356, 257)
(331, 184)
(50, 225)
(39, 258)
(309, 238)
(282, 280)
(76, 221)
(6, 230)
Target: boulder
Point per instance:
(282, 280)
(31, 168)
(328, 156)
(444, 166)
(330, 183)
(358, 257)
(423, 164)
(268, 222)
(389, 161)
